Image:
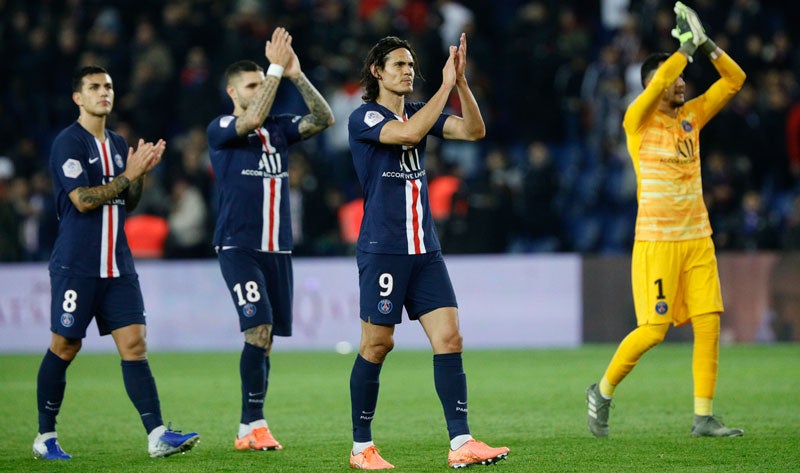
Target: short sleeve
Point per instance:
(366, 125)
(221, 130)
(67, 158)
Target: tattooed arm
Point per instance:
(257, 110)
(134, 194)
(321, 115)
(90, 198)
(145, 158)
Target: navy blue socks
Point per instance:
(254, 371)
(364, 383)
(451, 386)
(50, 384)
(141, 388)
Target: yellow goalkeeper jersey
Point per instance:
(666, 152)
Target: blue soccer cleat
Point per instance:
(46, 447)
(172, 442)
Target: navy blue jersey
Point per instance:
(397, 215)
(90, 244)
(253, 182)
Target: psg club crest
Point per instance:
(249, 310)
(385, 306)
(118, 160)
(661, 308)
(687, 127)
(67, 319)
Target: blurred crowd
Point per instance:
(552, 77)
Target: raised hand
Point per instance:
(293, 69)
(461, 57)
(278, 50)
(449, 69)
(694, 23)
(146, 156)
(688, 30)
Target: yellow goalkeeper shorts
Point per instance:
(674, 280)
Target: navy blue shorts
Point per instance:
(113, 302)
(261, 287)
(390, 282)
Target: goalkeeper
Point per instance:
(674, 267)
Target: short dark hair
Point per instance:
(241, 66)
(377, 56)
(77, 77)
(651, 63)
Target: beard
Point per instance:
(676, 103)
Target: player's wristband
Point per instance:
(275, 70)
(709, 48)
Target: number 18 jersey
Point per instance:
(253, 178)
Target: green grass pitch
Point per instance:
(530, 400)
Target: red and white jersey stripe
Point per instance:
(271, 205)
(110, 226)
(415, 234)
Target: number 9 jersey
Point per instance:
(397, 215)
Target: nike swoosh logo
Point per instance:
(254, 394)
(461, 402)
(93, 160)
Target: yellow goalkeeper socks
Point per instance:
(702, 406)
(705, 360)
(630, 350)
(606, 388)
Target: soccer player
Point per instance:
(674, 269)
(253, 238)
(398, 253)
(97, 179)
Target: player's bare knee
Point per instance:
(376, 350)
(451, 342)
(132, 349)
(65, 348)
(260, 336)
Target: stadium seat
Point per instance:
(146, 235)
(440, 195)
(350, 216)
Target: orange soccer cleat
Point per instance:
(474, 452)
(369, 459)
(258, 439)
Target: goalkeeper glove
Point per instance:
(688, 18)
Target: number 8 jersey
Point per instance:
(78, 159)
(397, 215)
